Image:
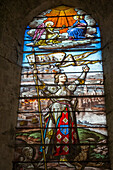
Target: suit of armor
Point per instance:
(60, 121)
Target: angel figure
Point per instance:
(47, 29)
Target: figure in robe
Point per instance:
(78, 29)
(60, 121)
(51, 36)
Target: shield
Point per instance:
(64, 129)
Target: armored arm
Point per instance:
(82, 77)
(79, 80)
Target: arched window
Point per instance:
(61, 115)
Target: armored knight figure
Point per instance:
(61, 116)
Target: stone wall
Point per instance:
(14, 17)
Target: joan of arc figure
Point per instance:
(60, 121)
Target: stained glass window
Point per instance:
(61, 115)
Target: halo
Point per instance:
(76, 17)
(49, 22)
